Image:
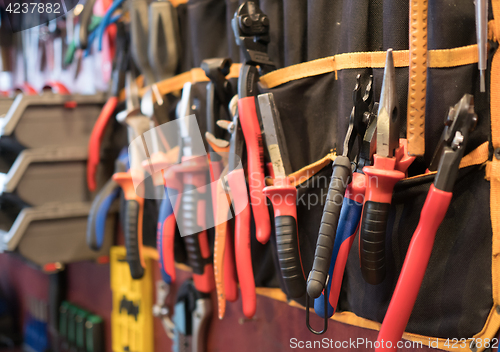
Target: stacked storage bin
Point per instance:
(44, 201)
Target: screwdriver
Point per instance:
(482, 40)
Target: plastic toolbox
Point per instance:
(51, 119)
(5, 103)
(52, 233)
(45, 175)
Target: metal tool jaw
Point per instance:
(132, 104)
(251, 30)
(388, 114)
(161, 310)
(237, 141)
(362, 125)
(273, 132)
(184, 110)
(219, 91)
(461, 120)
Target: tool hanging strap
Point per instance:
(440, 58)
(417, 85)
(493, 174)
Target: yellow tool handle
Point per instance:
(417, 84)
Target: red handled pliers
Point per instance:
(460, 121)
(251, 27)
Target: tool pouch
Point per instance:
(320, 47)
(457, 298)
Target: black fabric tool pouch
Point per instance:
(314, 99)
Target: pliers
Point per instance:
(362, 126)
(191, 319)
(251, 29)
(96, 223)
(117, 83)
(137, 125)
(233, 184)
(191, 173)
(390, 163)
(283, 196)
(219, 94)
(460, 121)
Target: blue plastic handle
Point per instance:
(96, 228)
(165, 211)
(100, 223)
(350, 215)
(106, 19)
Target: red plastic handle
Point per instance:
(381, 178)
(57, 87)
(206, 281)
(26, 88)
(242, 242)
(168, 234)
(255, 156)
(415, 264)
(169, 226)
(96, 139)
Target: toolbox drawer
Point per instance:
(5, 103)
(51, 120)
(45, 175)
(51, 233)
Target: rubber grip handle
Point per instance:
(288, 255)
(381, 178)
(165, 239)
(341, 176)
(346, 231)
(372, 241)
(96, 223)
(414, 267)
(196, 241)
(139, 31)
(133, 237)
(236, 181)
(255, 158)
(94, 146)
(283, 197)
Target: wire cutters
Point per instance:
(251, 30)
(460, 121)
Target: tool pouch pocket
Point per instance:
(456, 296)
